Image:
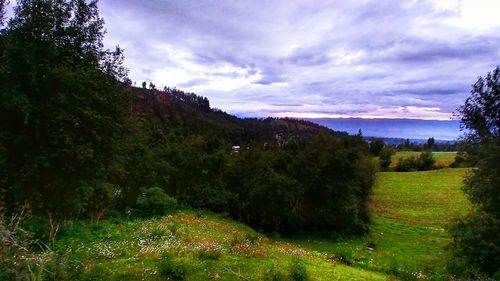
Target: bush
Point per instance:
(406, 164)
(298, 271)
(460, 161)
(171, 269)
(17, 260)
(476, 246)
(424, 162)
(154, 201)
(385, 156)
(344, 255)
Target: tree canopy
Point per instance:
(62, 105)
(476, 244)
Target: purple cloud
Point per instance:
(257, 58)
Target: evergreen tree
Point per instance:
(430, 143)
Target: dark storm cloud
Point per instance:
(417, 50)
(353, 58)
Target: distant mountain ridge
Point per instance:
(413, 129)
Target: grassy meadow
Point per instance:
(407, 238)
(193, 245)
(427, 198)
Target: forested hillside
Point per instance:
(191, 114)
(79, 142)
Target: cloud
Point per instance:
(348, 58)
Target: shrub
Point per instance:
(476, 246)
(172, 269)
(298, 271)
(424, 162)
(17, 260)
(344, 255)
(154, 201)
(385, 156)
(460, 161)
(252, 237)
(406, 164)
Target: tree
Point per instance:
(476, 243)
(376, 146)
(430, 143)
(385, 156)
(62, 106)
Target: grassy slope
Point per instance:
(410, 212)
(407, 237)
(208, 246)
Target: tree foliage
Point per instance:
(62, 106)
(480, 115)
(376, 146)
(385, 157)
(474, 243)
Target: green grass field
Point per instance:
(430, 198)
(443, 159)
(406, 241)
(407, 237)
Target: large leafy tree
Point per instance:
(476, 243)
(62, 106)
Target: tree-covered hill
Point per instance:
(192, 114)
(77, 141)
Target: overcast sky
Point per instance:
(410, 59)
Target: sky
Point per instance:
(311, 59)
